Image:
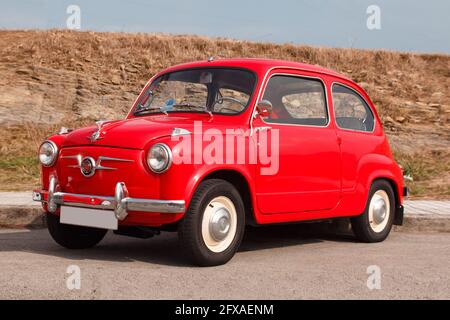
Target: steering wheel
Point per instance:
(222, 99)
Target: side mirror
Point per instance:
(264, 108)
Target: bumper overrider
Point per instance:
(120, 203)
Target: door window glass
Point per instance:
(351, 111)
(296, 100)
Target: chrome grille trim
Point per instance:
(98, 162)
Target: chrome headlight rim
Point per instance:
(55, 153)
(168, 152)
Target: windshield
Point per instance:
(212, 90)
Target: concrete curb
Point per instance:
(32, 217)
(428, 223)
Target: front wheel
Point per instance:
(375, 223)
(73, 237)
(213, 226)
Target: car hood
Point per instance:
(134, 133)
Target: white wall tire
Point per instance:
(213, 226)
(375, 224)
(219, 224)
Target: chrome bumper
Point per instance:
(121, 203)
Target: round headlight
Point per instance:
(48, 152)
(159, 158)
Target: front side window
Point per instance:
(296, 100)
(213, 90)
(351, 111)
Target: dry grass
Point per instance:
(54, 78)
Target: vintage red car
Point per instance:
(212, 146)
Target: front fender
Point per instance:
(201, 172)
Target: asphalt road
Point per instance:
(283, 262)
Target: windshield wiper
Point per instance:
(203, 109)
(155, 109)
(166, 108)
(188, 105)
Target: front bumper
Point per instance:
(120, 203)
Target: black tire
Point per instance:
(73, 237)
(361, 225)
(190, 228)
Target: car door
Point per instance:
(356, 128)
(309, 173)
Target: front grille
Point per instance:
(96, 170)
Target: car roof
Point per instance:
(258, 64)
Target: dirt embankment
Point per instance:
(50, 79)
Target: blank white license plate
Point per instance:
(103, 219)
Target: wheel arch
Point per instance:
(398, 211)
(378, 166)
(241, 183)
(392, 183)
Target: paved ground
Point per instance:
(282, 262)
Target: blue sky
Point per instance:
(414, 25)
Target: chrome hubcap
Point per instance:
(379, 210)
(219, 224)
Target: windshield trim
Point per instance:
(136, 113)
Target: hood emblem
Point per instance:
(96, 134)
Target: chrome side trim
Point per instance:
(180, 132)
(174, 206)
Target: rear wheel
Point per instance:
(375, 223)
(212, 228)
(73, 237)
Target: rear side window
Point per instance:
(351, 111)
(296, 100)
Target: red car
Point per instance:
(212, 146)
